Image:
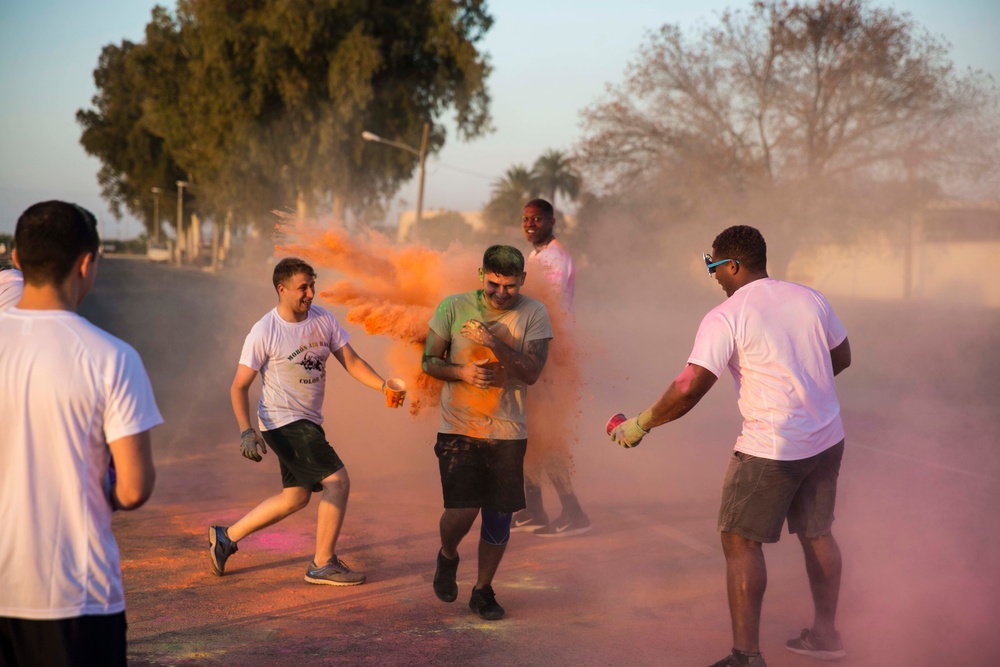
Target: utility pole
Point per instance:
(156, 213)
(423, 158)
(180, 217)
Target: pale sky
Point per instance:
(551, 58)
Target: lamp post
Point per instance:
(420, 153)
(180, 217)
(156, 213)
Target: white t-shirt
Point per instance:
(11, 288)
(775, 337)
(291, 359)
(557, 265)
(67, 388)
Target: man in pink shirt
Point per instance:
(783, 345)
(550, 455)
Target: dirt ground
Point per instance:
(917, 518)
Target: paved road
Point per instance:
(917, 519)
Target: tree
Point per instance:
(263, 103)
(508, 197)
(553, 174)
(134, 159)
(789, 112)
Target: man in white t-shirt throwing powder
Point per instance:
(290, 347)
(73, 401)
(783, 345)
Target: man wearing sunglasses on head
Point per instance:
(783, 345)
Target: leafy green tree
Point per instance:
(793, 114)
(134, 158)
(263, 103)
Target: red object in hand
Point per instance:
(615, 421)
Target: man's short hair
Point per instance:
(50, 237)
(289, 267)
(545, 206)
(503, 260)
(742, 243)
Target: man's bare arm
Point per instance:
(683, 394)
(841, 357)
(133, 459)
(239, 394)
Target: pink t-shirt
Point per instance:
(775, 337)
(557, 265)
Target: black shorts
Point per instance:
(481, 472)
(305, 457)
(84, 641)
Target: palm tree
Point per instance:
(554, 174)
(509, 195)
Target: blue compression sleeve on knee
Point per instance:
(495, 527)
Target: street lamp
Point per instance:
(156, 213)
(420, 153)
(180, 217)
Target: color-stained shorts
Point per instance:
(481, 472)
(758, 494)
(305, 457)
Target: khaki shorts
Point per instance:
(759, 494)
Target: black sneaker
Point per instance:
(484, 601)
(220, 548)
(445, 586)
(816, 646)
(566, 525)
(732, 661)
(527, 520)
(334, 573)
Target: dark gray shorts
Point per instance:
(305, 457)
(481, 472)
(759, 494)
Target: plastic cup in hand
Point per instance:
(615, 421)
(395, 392)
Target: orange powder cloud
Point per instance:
(392, 291)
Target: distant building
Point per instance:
(938, 255)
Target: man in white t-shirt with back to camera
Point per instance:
(783, 345)
(74, 401)
(289, 347)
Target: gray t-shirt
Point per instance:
(498, 411)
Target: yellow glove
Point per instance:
(628, 434)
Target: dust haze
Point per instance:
(917, 519)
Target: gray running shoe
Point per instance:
(732, 661)
(445, 586)
(815, 646)
(334, 573)
(220, 548)
(484, 601)
(566, 525)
